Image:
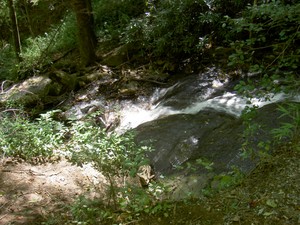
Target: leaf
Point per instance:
(271, 203)
(268, 213)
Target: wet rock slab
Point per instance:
(181, 141)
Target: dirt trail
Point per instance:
(29, 192)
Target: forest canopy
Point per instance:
(257, 36)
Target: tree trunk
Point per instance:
(15, 29)
(86, 36)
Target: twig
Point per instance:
(2, 85)
(3, 216)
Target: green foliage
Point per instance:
(4, 20)
(117, 13)
(112, 154)
(230, 7)
(33, 51)
(133, 202)
(223, 181)
(207, 164)
(289, 131)
(25, 139)
(63, 36)
(8, 64)
(116, 156)
(112, 16)
(250, 148)
(37, 51)
(136, 201)
(173, 29)
(287, 134)
(267, 42)
(88, 212)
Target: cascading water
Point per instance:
(196, 117)
(189, 96)
(195, 120)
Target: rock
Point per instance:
(195, 148)
(145, 174)
(180, 138)
(30, 92)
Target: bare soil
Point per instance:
(30, 193)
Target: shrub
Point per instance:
(112, 154)
(9, 65)
(267, 41)
(289, 131)
(176, 29)
(112, 16)
(25, 139)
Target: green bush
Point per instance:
(287, 134)
(112, 154)
(37, 51)
(133, 202)
(8, 64)
(112, 16)
(23, 138)
(88, 212)
(174, 29)
(289, 131)
(64, 34)
(267, 40)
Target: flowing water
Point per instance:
(195, 120)
(190, 95)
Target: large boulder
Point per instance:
(39, 91)
(193, 149)
(179, 138)
(28, 93)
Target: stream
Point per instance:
(191, 124)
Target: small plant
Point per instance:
(136, 201)
(207, 164)
(27, 139)
(88, 212)
(248, 149)
(112, 154)
(9, 65)
(289, 131)
(37, 51)
(226, 180)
